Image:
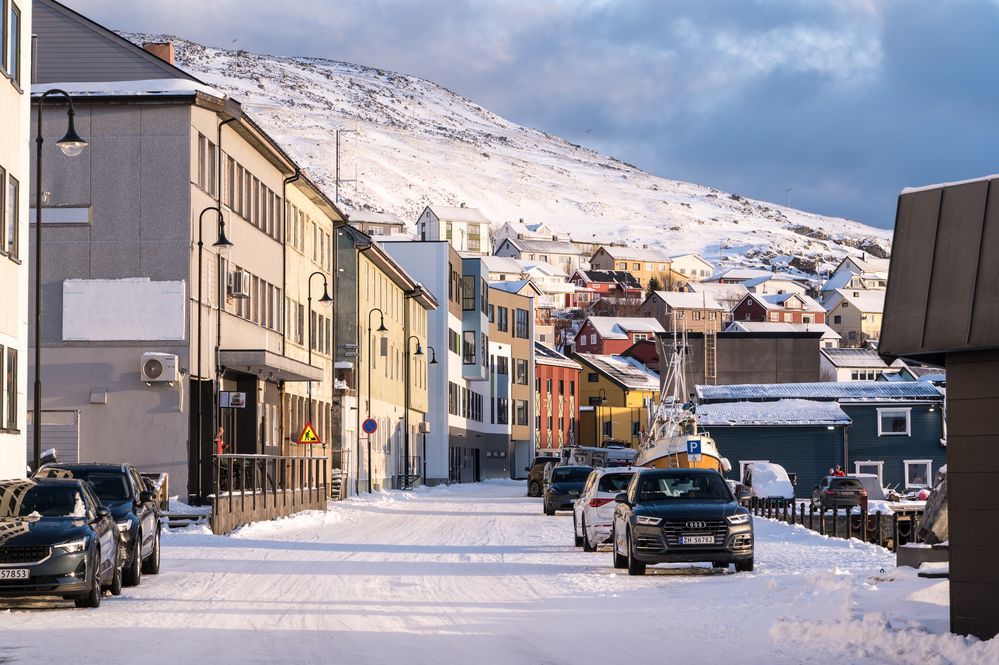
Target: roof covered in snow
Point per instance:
(845, 357)
(637, 254)
(829, 390)
(504, 264)
(687, 300)
(776, 326)
(781, 412)
(458, 214)
(868, 301)
(756, 281)
(738, 274)
(626, 372)
(729, 292)
(545, 355)
(622, 277)
(619, 327)
(543, 245)
(779, 301)
(150, 87)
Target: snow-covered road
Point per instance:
(476, 574)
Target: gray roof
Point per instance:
(624, 371)
(781, 412)
(458, 214)
(545, 355)
(688, 300)
(780, 326)
(619, 327)
(846, 390)
(541, 245)
(845, 357)
(637, 254)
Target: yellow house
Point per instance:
(855, 314)
(642, 262)
(614, 395)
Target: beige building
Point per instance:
(692, 266)
(680, 310)
(15, 262)
(642, 262)
(856, 315)
(465, 229)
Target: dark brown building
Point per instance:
(738, 357)
(942, 308)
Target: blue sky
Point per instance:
(844, 102)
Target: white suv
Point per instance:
(593, 511)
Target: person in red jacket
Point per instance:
(220, 442)
(839, 471)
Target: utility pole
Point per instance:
(589, 146)
(338, 179)
(788, 190)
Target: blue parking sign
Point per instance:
(693, 450)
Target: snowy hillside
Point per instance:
(412, 142)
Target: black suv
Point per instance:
(564, 488)
(134, 508)
(839, 492)
(680, 515)
(536, 474)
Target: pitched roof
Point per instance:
(776, 326)
(738, 274)
(693, 255)
(637, 254)
(870, 264)
(855, 358)
(626, 372)
(622, 277)
(458, 214)
(773, 277)
(732, 292)
(542, 245)
(781, 412)
(872, 391)
(373, 217)
(868, 301)
(779, 301)
(687, 300)
(545, 355)
(515, 286)
(506, 264)
(618, 327)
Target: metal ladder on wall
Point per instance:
(711, 357)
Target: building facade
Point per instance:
(680, 310)
(15, 262)
(556, 396)
(779, 308)
(615, 395)
(563, 255)
(605, 335)
(466, 229)
(643, 263)
(855, 314)
(692, 266)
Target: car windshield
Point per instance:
(27, 500)
(108, 485)
(683, 486)
(614, 482)
(572, 474)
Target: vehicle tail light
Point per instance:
(863, 492)
(596, 503)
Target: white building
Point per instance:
(520, 231)
(692, 266)
(854, 365)
(15, 44)
(564, 255)
(466, 229)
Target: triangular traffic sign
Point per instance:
(308, 435)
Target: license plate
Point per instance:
(13, 573)
(573, 493)
(697, 540)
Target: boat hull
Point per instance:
(671, 453)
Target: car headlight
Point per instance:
(648, 521)
(741, 518)
(124, 526)
(74, 546)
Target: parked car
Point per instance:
(133, 507)
(593, 511)
(871, 483)
(839, 492)
(536, 474)
(766, 480)
(56, 539)
(680, 515)
(565, 486)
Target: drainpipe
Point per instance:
(846, 448)
(284, 255)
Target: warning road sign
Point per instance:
(308, 435)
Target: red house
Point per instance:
(609, 335)
(556, 387)
(596, 284)
(644, 351)
(779, 308)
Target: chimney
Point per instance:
(162, 50)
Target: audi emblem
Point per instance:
(697, 525)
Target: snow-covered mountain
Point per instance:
(412, 142)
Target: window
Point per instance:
(10, 245)
(875, 467)
(918, 473)
(712, 316)
(636, 266)
(492, 313)
(3, 38)
(11, 388)
(521, 367)
(837, 319)
(592, 377)
(502, 365)
(593, 339)
(468, 292)
(453, 342)
(595, 400)
(521, 412)
(894, 422)
(548, 386)
(503, 320)
(774, 316)
(572, 388)
(636, 428)
(522, 323)
(502, 410)
(14, 70)
(788, 317)
(485, 350)
(469, 356)
(561, 387)
(608, 431)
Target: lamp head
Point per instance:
(381, 323)
(222, 244)
(433, 356)
(72, 144)
(326, 299)
(419, 349)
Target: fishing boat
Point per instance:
(673, 430)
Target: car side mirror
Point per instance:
(146, 497)
(621, 498)
(745, 494)
(102, 512)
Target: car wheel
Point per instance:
(133, 567)
(115, 586)
(620, 561)
(549, 510)
(93, 597)
(587, 547)
(534, 489)
(151, 565)
(744, 566)
(634, 567)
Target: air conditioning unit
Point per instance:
(424, 428)
(159, 367)
(238, 284)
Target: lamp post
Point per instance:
(433, 361)
(326, 300)
(71, 145)
(405, 438)
(381, 329)
(602, 399)
(222, 247)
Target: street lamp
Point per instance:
(381, 329)
(433, 361)
(71, 145)
(405, 438)
(602, 399)
(222, 247)
(326, 300)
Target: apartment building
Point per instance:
(615, 393)
(680, 310)
(466, 229)
(642, 262)
(15, 262)
(556, 397)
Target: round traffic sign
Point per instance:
(369, 426)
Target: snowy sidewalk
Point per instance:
(476, 574)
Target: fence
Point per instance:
(253, 488)
(889, 531)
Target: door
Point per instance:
(478, 465)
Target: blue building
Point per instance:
(894, 430)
